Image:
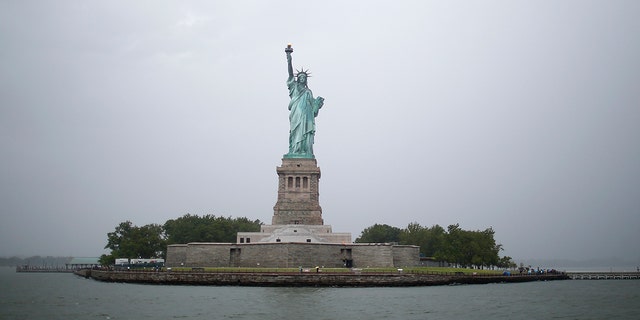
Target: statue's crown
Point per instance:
(303, 71)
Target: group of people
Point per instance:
(530, 270)
(307, 270)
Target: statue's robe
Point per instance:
(303, 110)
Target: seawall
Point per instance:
(292, 279)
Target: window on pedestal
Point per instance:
(290, 182)
(297, 182)
(305, 182)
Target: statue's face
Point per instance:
(302, 78)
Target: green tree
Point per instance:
(470, 248)
(454, 245)
(435, 240)
(506, 262)
(489, 250)
(414, 234)
(451, 249)
(429, 239)
(130, 241)
(379, 233)
(208, 228)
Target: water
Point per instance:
(66, 296)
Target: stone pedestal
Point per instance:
(298, 193)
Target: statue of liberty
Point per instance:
(303, 109)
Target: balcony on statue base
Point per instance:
(299, 156)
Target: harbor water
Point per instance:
(66, 296)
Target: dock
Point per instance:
(43, 270)
(604, 275)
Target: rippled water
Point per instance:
(65, 296)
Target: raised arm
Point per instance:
(289, 50)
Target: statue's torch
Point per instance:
(288, 49)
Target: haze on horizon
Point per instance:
(522, 116)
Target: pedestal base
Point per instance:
(298, 193)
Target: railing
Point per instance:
(42, 269)
(604, 275)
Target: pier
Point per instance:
(43, 269)
(604, 275)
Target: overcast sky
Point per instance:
(523, 116)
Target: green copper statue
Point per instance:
(303, 109)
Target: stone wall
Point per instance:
(202, 254)
(350, 279)
(406, 256)
(291, 255)
(372, 255)
(176, 254)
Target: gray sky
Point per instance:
(518, 115)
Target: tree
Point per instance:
(150, 241)
(488, 249)
(435, 240)
(470, 248)
(451, 249)
(454, 245)
(414, 234)
(130, 241)
(429, 239)
(379, 233)
(506, 262)
(208, 228)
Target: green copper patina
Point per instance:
(303, 109)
